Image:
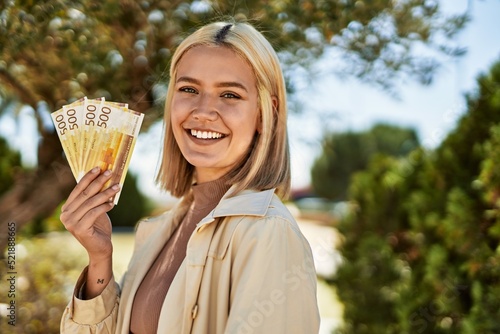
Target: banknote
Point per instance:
(114, 139)
(74, 112)
(96, 132)
(88, 135)
(67, 122)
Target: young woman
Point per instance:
(229, 257)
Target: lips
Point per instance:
(206, 134)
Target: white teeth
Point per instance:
(206, 134)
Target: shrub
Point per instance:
(422, 252)
(46, 270)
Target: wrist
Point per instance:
(99, 274)
(100, 259)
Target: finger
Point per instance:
(84, 182)
(87, 190)
(95, 186)
(87, 222)
(86, 227)
(102, 197)
(72, 217)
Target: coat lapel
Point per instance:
(246, 203)
(151, 237)
(157, 233)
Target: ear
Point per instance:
(276, 104)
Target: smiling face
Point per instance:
(214, 110)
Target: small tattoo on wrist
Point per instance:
(100, 281)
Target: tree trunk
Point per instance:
(36, 193)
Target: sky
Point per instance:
(350, 105)
(431, 110)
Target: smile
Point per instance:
(206, 134)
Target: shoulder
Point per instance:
(276, 224)
(260, 219)
(149, 226)
(276, 213)
(273, 240)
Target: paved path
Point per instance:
(324, 241)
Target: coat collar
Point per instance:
(246, 202)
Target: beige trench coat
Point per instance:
(248, 269)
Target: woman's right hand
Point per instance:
(84, 214)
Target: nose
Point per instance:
(205, 108)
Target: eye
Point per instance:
(229, 95)
(188, 90)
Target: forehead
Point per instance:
(215, 62)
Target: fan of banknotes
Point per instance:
(95, 132)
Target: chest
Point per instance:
(199, 293)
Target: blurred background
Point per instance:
(394, 127)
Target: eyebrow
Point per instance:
(220, 84)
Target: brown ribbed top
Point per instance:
(154, 287)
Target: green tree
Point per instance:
(423, 245)
(133, 205)
(346, 153)
(53, 52)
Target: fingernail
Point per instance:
(107, 173)
(115, 187)
(95, 170)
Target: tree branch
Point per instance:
(24, 94)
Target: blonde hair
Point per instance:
(267, 164)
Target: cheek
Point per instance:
(177, 113)
(247, 132)
(176, 121)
